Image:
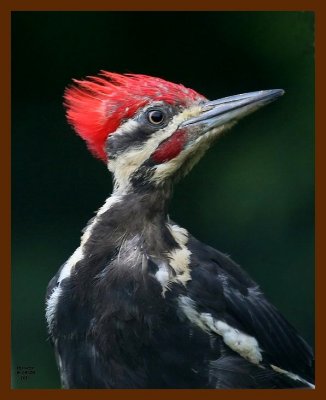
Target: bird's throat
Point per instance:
(124, 215)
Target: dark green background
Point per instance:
(252, 196)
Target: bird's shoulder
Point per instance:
(222, 298)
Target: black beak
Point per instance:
(228, 109)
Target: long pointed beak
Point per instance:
(223, 111)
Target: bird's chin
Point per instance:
(195, 149)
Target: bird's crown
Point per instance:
(98, 105)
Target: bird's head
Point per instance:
(150, 131)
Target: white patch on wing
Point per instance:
(292, 376)
(163, 274)
(179, 259)
(187, 305)
(180, 234)
(245, 345)
(177, 266)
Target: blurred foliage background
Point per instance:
(251, 196)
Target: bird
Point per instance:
(142, 303)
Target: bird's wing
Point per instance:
(224, 299)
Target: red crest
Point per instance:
(98, 105)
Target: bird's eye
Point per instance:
(155, 117)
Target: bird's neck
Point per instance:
(151, 203)
(141, 214)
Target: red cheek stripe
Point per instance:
(170, 148)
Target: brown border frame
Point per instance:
(100, 5)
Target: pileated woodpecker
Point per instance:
(142, 303)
